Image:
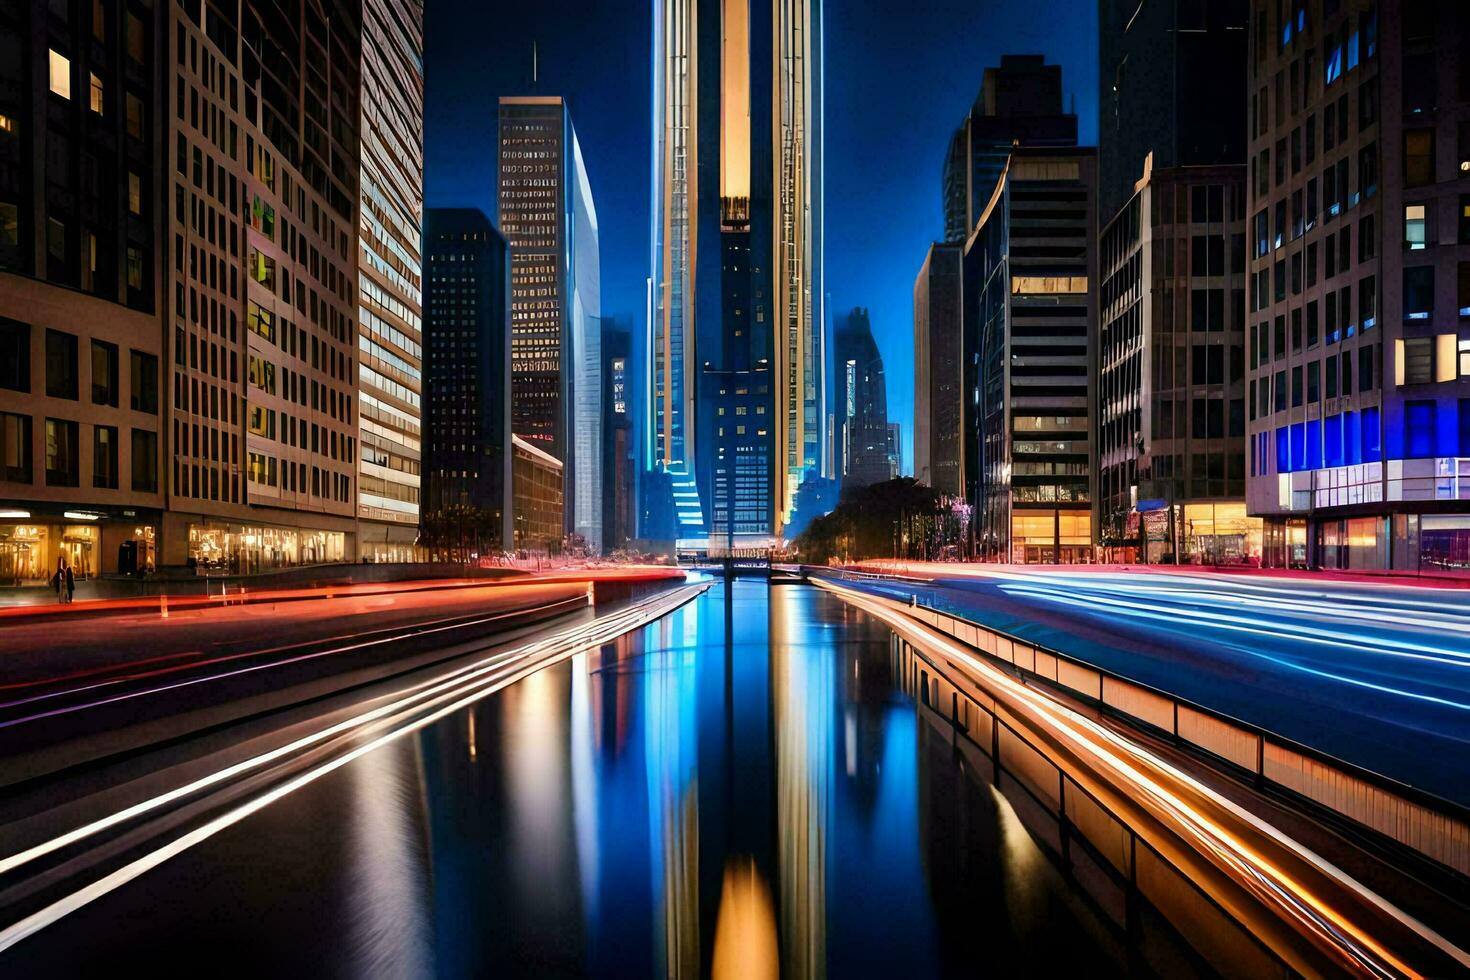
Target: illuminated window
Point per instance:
(135, 194)
(1414, 226)
(60, 75)
(96, 95)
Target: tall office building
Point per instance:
(1359, 238)
(81, 207)
(261, 320)
(736, 308)
(548, 218)
(1020, 104)
(619, 476)
(467, 457)
(895, 450)
(863, 444)
(1170, 78)
(1170, 447)
(390, 354)
(1030, 326)
(938, 358)
(1170, 444)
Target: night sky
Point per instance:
(900, 76)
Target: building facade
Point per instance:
(467, 418)
(736, 280)
(390, 269)
(619, 460)
(1171, 371)
(1360, 284)
(536, 477)
(863, 447)
(1020, 104)
(938, 360)
(1029, 332)
(547, 216)
(81, 215)
(261, 316)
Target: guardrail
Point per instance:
(1429, 825)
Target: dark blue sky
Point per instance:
(900, 75)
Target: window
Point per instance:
(1465, 215)
(96, 95)
(15, 355)
(1418, 365)
(1365, 368)
(1415, 222)
(15, 448)
(135, 194)
(61, 365)
(135, 39)
(144, 382)
(60, 74)
(135, 116)
(104, 457)
(145, 461)
(104, 373)
(1418, 157)
(135, 267)
(61, 454)
(1418, 292)
(1419, 429)
(1462, 289)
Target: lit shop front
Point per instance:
(244, 549)
(1047, 536)
(1221, 534)
(33, 545)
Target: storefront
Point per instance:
(31, 549)
(244, 549)
(1284, 543)
(1051, 536)
(1221, 534)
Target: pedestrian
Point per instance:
(71, 584)
(58, 581)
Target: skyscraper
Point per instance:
(1030, 329)
(938, 359)
(467, 459)
(863, 446)
(1170, 446)
(736, 281)
(548, 218)
(1020, 104)
(391, 281)
(261, 320)
(1359, 257)
(1170, 78)
(618, 459)
(82, 209)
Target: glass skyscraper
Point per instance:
(736, 344)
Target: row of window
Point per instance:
(63, 463)
(63, 373)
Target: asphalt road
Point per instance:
(1375, 674)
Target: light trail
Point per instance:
(1292, 900)
(439, 697)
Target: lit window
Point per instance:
(1414, 226)
(96, 102)
(135, 194)
(60, 75)
(7, 124)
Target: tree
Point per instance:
(898, 518)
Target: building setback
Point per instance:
(468, 414)
(938, 359)
(390, 328)
(81, 216)
(548, 218)
(736, 261)
(1019, 104)
(1029, 329)
(1360, 284)
(261, 319)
